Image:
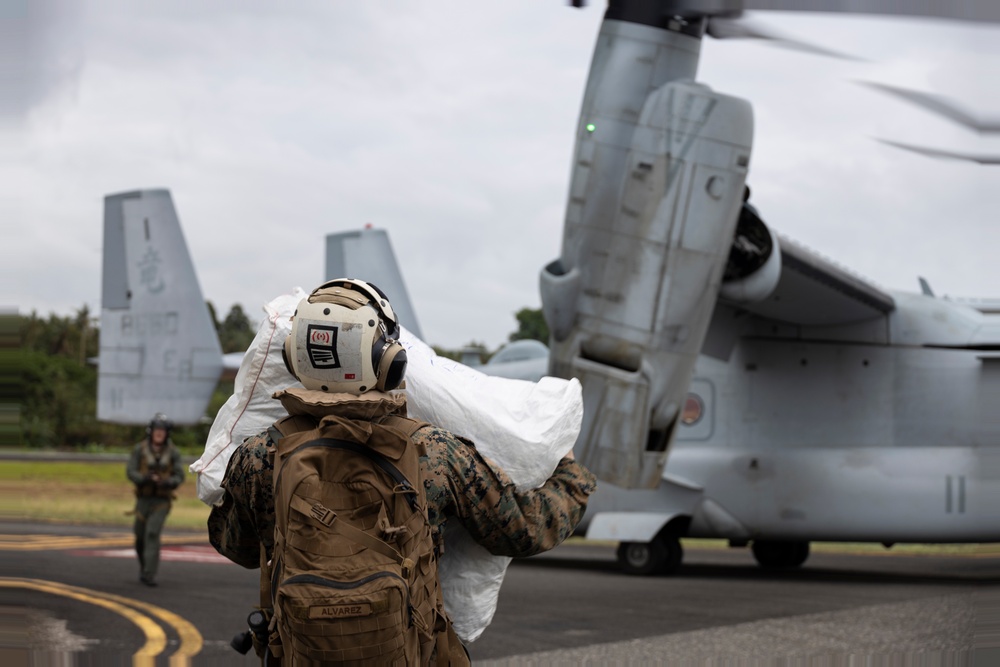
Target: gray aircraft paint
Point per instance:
(159, 351)
(656, 188)
(367, 254)
(827, 448)
(808, 433)
(831, 410)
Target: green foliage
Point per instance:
(59, 399)
(454, 355)
(57, 388)
(531, 325)
(236, 332)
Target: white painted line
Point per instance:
(186, 554)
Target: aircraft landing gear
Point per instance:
(780, 555)
(661, 556)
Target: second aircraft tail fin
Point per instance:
(367, 255)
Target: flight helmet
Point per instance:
(159, 420)
(344, 338)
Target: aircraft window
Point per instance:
(693, 409)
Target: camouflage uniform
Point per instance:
(152, 501)
(459, 484)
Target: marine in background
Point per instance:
(336, 530)
(156, 469)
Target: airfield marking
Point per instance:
(184, 554)
(191, 641)
(156, 639)
(63, 542)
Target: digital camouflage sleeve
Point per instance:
(459, 484)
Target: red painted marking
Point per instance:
(187, 554)
(320, 337)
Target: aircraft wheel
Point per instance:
(663, 555)
(774, 555)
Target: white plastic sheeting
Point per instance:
(523, 427)
(250, 409)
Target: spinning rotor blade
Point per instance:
(942, 106)
(934, 152)
(965, 10)
(725, 27)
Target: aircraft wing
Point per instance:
(813, 291)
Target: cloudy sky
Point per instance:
(450, 124)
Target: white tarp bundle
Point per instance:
(523, 427)
(250, 409)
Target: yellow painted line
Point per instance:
(156, 639)
(63, 542)
(191, 640)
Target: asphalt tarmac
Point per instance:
(73, 592)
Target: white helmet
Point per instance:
(344, 339)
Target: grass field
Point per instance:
(100, 494)
(90, 493)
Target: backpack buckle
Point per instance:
(323, 515)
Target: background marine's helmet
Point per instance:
(159, 420)
(345, 339)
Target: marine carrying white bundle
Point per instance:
(523, 427)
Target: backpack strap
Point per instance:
(408, 427)
(405, 424)
(329, 519)
(289, 425)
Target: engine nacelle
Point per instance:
(754, 265)
(658, 181)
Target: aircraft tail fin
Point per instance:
(367, 255)
(159, 349)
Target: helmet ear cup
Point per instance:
(286, 355)
(391, 368)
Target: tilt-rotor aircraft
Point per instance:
(736, 384)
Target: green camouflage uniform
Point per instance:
(459, 484)
(152, 499)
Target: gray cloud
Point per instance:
(451, 125)
(40, 54)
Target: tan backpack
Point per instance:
(353, 579)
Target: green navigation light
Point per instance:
(591, 127)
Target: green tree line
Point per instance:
(58, 385)
(56, 400)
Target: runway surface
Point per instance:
(75, 590)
